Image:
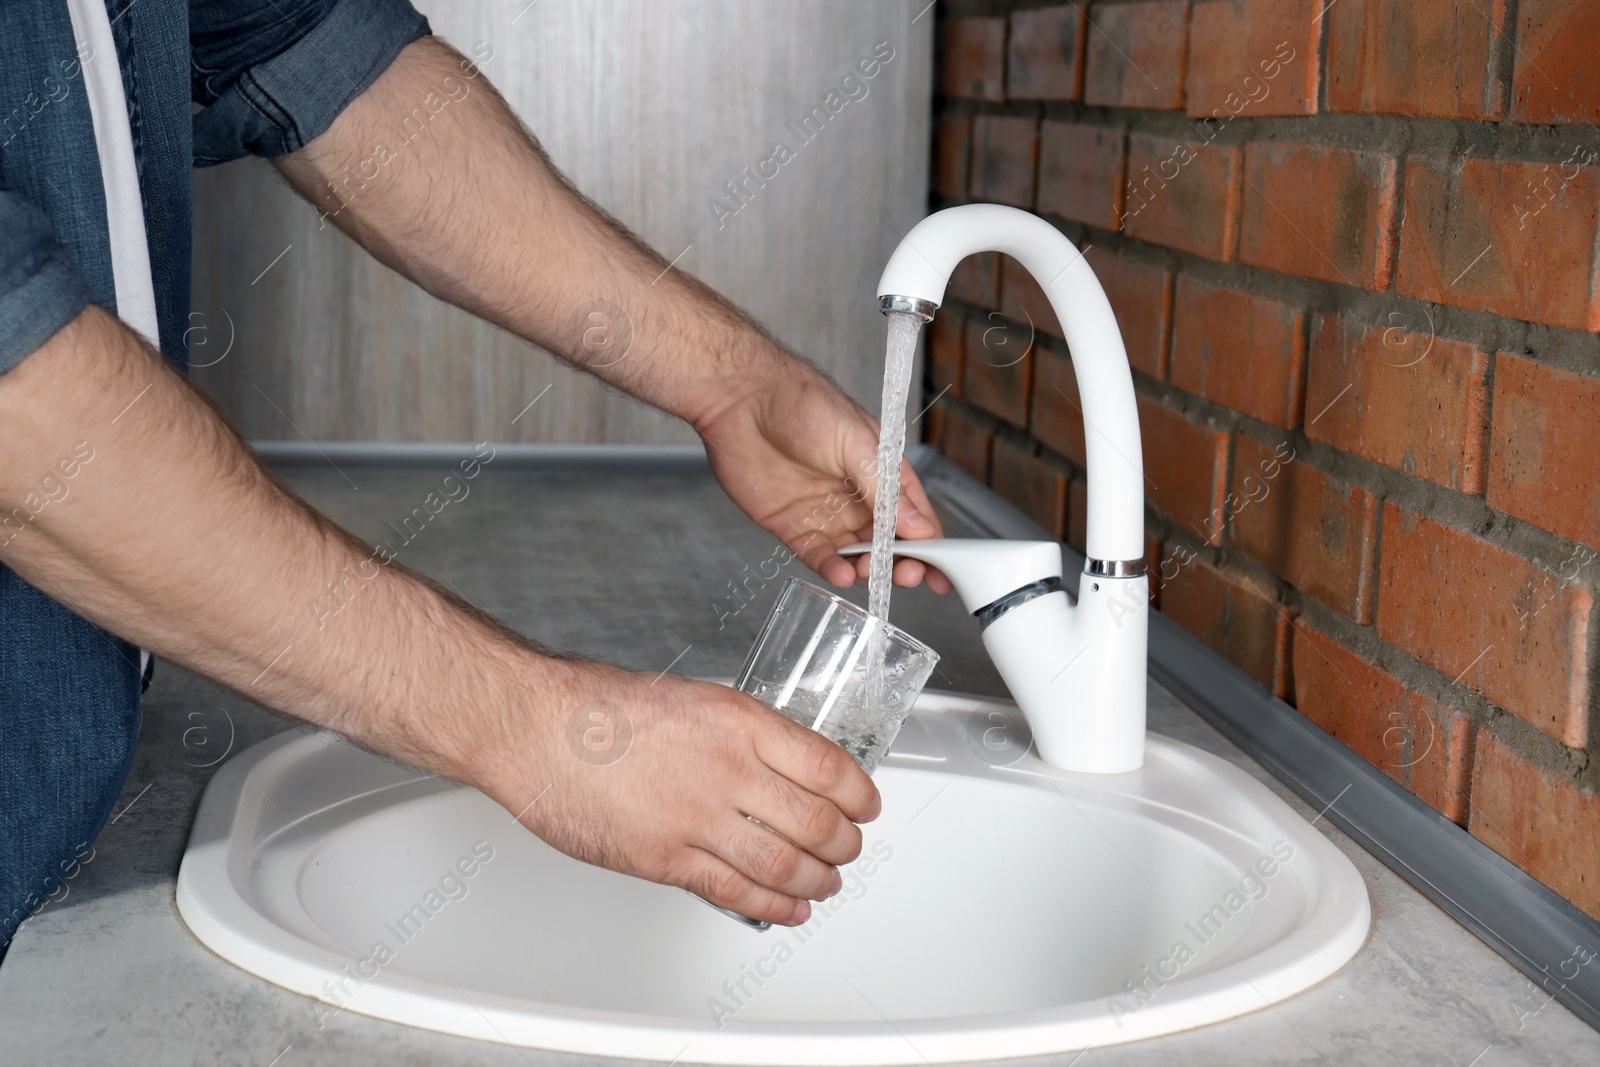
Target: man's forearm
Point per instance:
(126, 496)
(464, 202)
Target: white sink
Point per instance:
(998, 910)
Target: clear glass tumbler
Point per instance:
(812, 663)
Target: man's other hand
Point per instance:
(656, 778)
(800, 457)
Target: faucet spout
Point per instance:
(915, 280)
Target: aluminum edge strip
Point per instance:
(298, 455)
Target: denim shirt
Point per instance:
(262, 77)
(205, 81)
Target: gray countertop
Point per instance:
(634, 566)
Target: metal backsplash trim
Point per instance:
(300, 455)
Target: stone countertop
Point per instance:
(636, 568)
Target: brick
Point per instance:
(1430, 60)
(1439, 740)
(1543, 464)
(1555, 78)
(1080, 172)
(1057, 408)
(1303, 524)
(1078, 517)
(1044, 59)
(1489, 619)
(974, 60)
(1539, 820)
(1318, 212)
(1420, 743)
(1244, 351)
(1231, 614)
(1041, 493)
(1141, 297)
(1136, 54)
(966, 443)
(976, 280)
(954, 151)
(1004, 152)
(998, 368)
(1022, 300)
(1182, 194)
(946, 350)
(1513, 239)
(1252, 57)
(1398, 397)
(1185, 464)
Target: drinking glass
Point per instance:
(813, 663)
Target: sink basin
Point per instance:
(1000, 908)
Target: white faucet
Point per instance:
(1076, 671)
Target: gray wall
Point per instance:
(649, 107)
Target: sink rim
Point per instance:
(220, 913)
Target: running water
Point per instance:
(903, 331)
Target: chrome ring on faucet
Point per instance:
(911, 305)
(1115, 568)
(989, 613)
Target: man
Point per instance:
(128, 503)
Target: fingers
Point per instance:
(907, 572)
(834, 568)
(772, 862)
(714, 879)
(818, 766)
(837, 571)
(815, 824)
(804, 792)
(822, 556)
(915, 521)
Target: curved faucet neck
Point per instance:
(917, 275)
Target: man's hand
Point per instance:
(800, 457)
(656, 778)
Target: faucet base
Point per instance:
(1078, 672)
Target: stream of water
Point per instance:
(904, 328)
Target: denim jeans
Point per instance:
(267, 78)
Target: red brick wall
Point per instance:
(1352, 249)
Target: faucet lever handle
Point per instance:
(982, 570)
